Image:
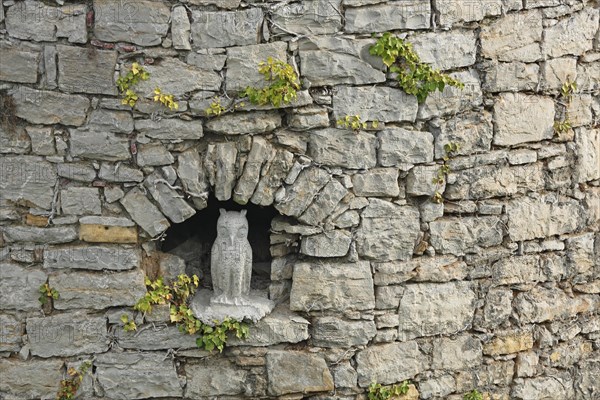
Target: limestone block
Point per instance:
(453, 11)
(462, 352)
(312, 17)
(465, 235)
(587, 142)
(298, 196)
(324, 204)
(382, 182)
(573, 35)
(244, 123)
(511, 77)
(515, 37)
(446, 50)
(380, 363)
(226, 28)
(169, 129)
(342, 148)
(144, 213)
(295, 372)
(411, 14)
(97, 258)
(44, 107)
(452, 99)
(55, 235)
(169, 200)
(175, 77)
(180, 29)
(99, 67)
(329, 244)
(381, 104)
(508, 343)
(80, 201)
(520, 118)
(242, 64)
(120, 173)
(153, 154)
(399, 146)
(27, 180)
(335, 332)
(27, 280)
(17, 382)
(18, 65)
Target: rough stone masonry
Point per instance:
(496, 289)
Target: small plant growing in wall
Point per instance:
(355, 123)
(563, 125)
(379, 392)
(283, 88)
(449, 150)
(177, 296)
(473, 395)
(69, 387)
(127, 83)
(47, 294)
(414, 76)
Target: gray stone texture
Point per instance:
(99, 67)
(411, 14)
(226, 28)
(242, 64)
(105, 257)
(342, 148)
(380, 363)
(27, 280)
(27, 180)
(18, 65)
(80, 201)
(312, 17)
(17, 382)
(45, 107)
(521, 118)
(295, 372)
(381, 104)
(516, 37)
(144, 213)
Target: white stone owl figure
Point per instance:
(231, 259)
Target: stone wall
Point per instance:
(497, 288)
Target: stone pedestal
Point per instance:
(257, 306)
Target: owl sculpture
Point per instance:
(231, 259)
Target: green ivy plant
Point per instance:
(283, 88)
(473, 395)
(568, 88)
(355, 123)
(69, 387)
(450, 150)
(379, 392)
(136, 74)
(177, 296)
(47, 294)
(414, 76)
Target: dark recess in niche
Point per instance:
(192, 240)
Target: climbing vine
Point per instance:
(473, 395)
(355, 123)
(177, 296)
(130, 97)
(47, 294)
(69, 387)
(414, 76)
(449, 150)
(283, 88)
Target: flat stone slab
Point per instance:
(208, 313)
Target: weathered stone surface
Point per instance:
(465, 235)
(420, 181)
(587, 143)
(427, 269)
(327, 244)
(226, 28)
(511, 76)
(18, 65)
(324, 204)
(573, 35)
(33, 20)
(242, 64)
(207, 379)
(99, 67)
(169, 129)
(180, 29)
(507, 343)
(518, 270)
(380, 363)
(214, 62)
(312, 17)
(97, 291)
(462, 352)
(12, 333)
(336, 60)
(439, 387)
(281, 326)
(17, 382)
(175, 77)
(171, 203)
(20, 234)
(557, 71)
(429, 309)
(382, 182)
(107, 230)
(153, 154)
(27, 280)
(530, 218)
(520, 118)
(381, 104)
(587, 76)
(144, 213)
(245, 123)
(192, 175)
(387, 231)
(400, 146)
(17, 141)
(410, 14)
(332, 286)
(42, 140)
(158, 338)
(259, 154)
(95, 258)
(452, 99)
(558, 386)
(492, 181)
(45, 107)
(303, 119)
(541, 304)
(272, 176)
(27, 180)
(226, 154)
(112, 369)
(586, 382)
(80, 201)
(342, 148)
(473, 133)
(515, 37)
(99, 144)
(120, 173)
(298, 196)
(453, 11)
(67, 335)
(335, 332)
(142, 22)
(446, 50)
(295, 372)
